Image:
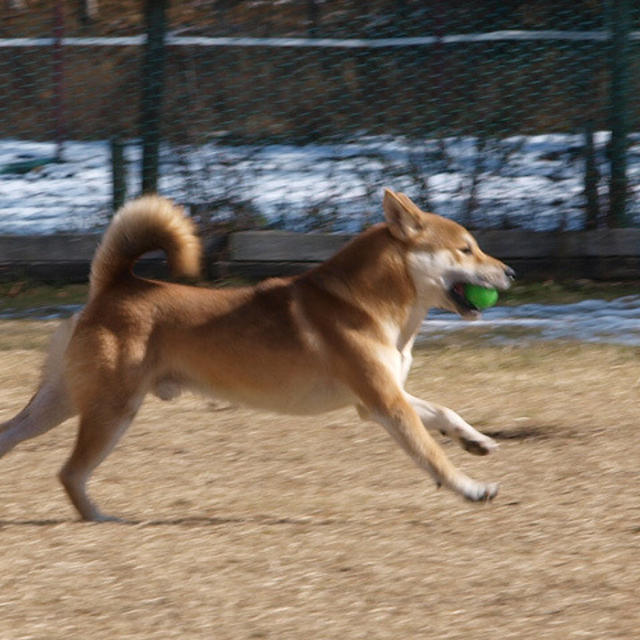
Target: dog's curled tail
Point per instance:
(146, 224)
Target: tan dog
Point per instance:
(340, 334)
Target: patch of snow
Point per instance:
(614, 322)
(532, 182)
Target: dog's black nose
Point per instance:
(510, 273)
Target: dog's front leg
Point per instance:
(387, 404)
(438, 418)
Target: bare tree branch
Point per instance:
(16, 5)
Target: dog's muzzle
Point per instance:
(463, 305)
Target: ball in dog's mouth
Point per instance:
(472, 297)
(480, 297)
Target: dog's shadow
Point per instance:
(44, 522)
(187, 521)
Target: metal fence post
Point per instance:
(619, 15)
(313, 18)
(58, 77)
(591, 178)
(118, 173)
(152, 82)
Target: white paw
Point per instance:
(479, 491)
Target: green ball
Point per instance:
(480, 297)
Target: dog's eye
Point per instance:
(467, 250)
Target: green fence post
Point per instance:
(58, 77)
(591, 178)
(152, 88)
(313, 17)
(619, 60)
(118, 173)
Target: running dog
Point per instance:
(340, 334)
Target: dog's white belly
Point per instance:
(301, 398)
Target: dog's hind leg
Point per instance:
(441, 419)
(100, 428)
(51, 404)
(47, 409)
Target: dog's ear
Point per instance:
(404, 218)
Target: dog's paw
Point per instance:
(479, 446)
(479, 492)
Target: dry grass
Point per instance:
(245, 525)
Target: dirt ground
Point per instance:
(240, 524)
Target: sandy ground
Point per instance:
(240, 524)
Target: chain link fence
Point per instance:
(295, 114)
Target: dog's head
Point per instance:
(442, 256)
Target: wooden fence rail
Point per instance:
(601, 255)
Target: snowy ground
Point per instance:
(614, 322)
(531, 182)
